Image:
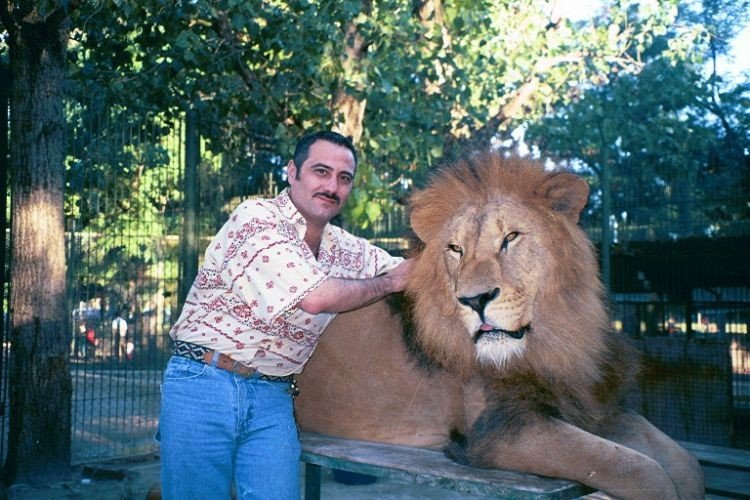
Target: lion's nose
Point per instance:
(478, 302)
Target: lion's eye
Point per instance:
(508, 238)
(456, 249)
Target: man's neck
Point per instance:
(313, 233)
(313, 237)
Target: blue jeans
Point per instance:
(217, 429)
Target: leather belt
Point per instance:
(205, 355)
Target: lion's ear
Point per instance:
(566, 193)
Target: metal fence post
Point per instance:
(189, 240)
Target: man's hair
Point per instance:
(302, 149)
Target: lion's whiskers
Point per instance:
(500, 352)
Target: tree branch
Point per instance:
(12, 17)
(482, 136)
(223, 28)
(61, 12)
(7, 18)
(349, 111)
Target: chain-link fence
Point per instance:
(143, 197)
(124, 175)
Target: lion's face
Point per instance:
(502, 260)
(495, 263)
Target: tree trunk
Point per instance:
(40, 382)
(348, 110)
(4, 179)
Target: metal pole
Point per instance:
(189, 223)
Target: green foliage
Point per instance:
(121, 180)
(245, 68)
(432, 84)
(674, 140)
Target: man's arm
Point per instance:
(340, 294)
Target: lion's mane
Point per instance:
(570, 347)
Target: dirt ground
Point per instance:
(118, 480)
(135, 480)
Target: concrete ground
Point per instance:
(135, 479)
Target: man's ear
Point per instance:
(291, 170)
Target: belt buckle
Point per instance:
(293, 388)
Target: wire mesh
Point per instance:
(123, 175)
(125, 210)
(125, 216)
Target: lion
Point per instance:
(505, 358)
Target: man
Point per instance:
(273, 278)
(119, 336)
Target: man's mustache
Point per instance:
(330, 196)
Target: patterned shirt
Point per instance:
(256, 271)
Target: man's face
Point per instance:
(320, 186)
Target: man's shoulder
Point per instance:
(256, 208)
(344, 236)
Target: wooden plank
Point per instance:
(726, 470)
(730, 483)
(431, 467)
(719, 455)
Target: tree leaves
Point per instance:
(454, 75)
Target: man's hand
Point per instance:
(399, 276)
(340, 294)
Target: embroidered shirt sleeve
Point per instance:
(357, 258)
(382, 260)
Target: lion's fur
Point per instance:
(509, 311)
(570, 345)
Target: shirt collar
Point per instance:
(288, 209)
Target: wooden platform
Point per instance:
(423, 466)
(726, 470)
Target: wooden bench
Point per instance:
(726, 470)
(423, 466)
